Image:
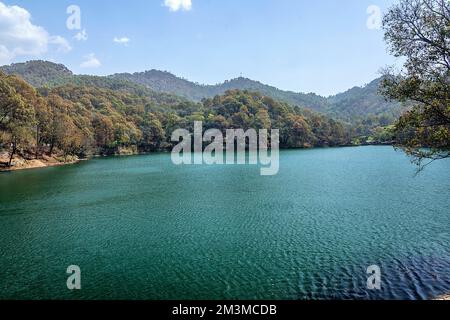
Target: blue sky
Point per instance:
(322, 46)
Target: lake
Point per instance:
(140, 227)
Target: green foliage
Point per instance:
(299, 128)
(82, 120)
(360, 103)
(82, 114)
(40, 73)
(419, 30)
(350, 106)
(16, 115)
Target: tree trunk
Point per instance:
(37, 143)
(52, 145)
(13, 151)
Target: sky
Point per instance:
(322, 46)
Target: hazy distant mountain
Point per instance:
(356, 102)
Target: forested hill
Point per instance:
(166, 82)
(40, 73)
(363, 101)
(352, 105)
(80, 120)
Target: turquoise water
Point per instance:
(142, 228)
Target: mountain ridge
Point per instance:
(357, 102)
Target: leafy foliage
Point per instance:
(299, 128)
(86, 119)
(420, 31)
(351, 106)
(40, 73)
(360, 103)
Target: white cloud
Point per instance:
(62, 45)
(5, 55)
(81, 36)
(122, 40)
(175, 5)
(90, 61)
(20, 37)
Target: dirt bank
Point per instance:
(21, 163)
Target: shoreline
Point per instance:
(44, 162)
(47, 162)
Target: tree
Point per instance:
(9, 101)
(419, 30)
(70, 140)
(16, 117)
(153, 133)
(262, 119)
(31, 97)
(299, 134)
(104, 131)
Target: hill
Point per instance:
(74, 120)
(40, 73)
(166, 82)
(350, 106)
(362, 101)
